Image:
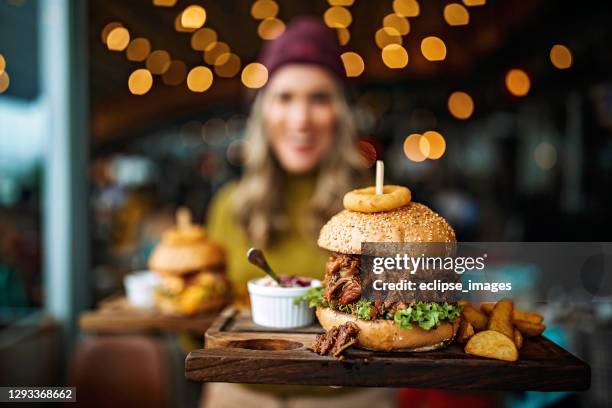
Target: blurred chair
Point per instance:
(121, 371)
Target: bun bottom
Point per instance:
(385, 335)
(171, 306)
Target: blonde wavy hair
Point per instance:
(258, 203)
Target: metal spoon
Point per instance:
(256, 257)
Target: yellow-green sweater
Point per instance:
(293, 253)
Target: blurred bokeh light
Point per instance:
(460, 105)
(517, 82)
(395, 56)
(561, 56)
(254, 75)
(199, 79)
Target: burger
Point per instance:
(191, 270)
(381, 324)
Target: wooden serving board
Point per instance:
(115, 315)
(237, 350)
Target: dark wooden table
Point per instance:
(116, 316)
(237, 350)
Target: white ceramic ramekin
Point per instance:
(140, 288)
(273, 306)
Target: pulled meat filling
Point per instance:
(336, 340)
(343, 286)
(342, 281)
(389, 306)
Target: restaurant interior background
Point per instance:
(107, 126)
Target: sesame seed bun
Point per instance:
(182, 258)
(385, 335)
(415, 222)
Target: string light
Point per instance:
(460, 105)
(203, 39)
(517, 82)
(199, 79)
(344, 35)
(398, 23)
(215, 52)
(414, 149)
(561, 56)
(395, 56)
(140, 81)
(164, 3)
(343, 3)
(254, 75)
(263, 9)
(456, 15)
(138, 50)
(386, 36)
(5, 79)
(337, 17)
(118, 39)
(433, 49)
(353, 64)
(270, 28)
(472, 3)
(406, 8)
(432, 145)
(193, 17)
(108, 28)
(178, 26)
(227, 65)
(158, 62)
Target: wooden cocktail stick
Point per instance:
(380, 176)
(183, 217)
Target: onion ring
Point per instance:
(366, 200)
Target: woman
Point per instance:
(301, 159)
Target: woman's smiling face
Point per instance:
(299, 116)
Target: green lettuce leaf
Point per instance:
(426, 315)
(314, 297)
(363, 309)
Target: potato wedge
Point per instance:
(501, 318)
(527, 316)
(466, 330)
(532, 317)
(492, 344)
(529, 329)
(475, 317)
(518, 338)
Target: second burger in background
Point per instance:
(191, 268)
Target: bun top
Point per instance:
(414, 222)
(185, 249)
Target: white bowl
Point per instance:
(140, 288)
(272, 306)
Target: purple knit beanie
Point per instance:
(305, 40)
